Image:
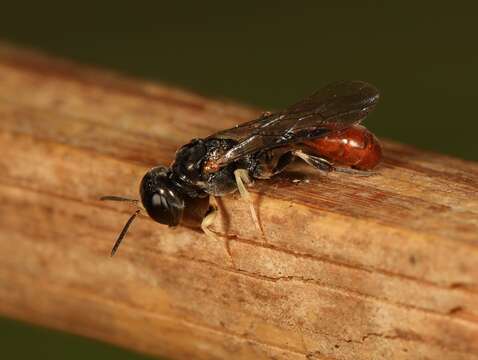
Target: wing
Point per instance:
(334, 107)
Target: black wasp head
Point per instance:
(160, 197)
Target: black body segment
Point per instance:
(188, 169)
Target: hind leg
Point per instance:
(355, 171)
(325, 165)
(315, 161)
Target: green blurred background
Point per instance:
(423, 56)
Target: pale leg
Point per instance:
(315, 161)
(242, 176)
(210, 217)
(325, 165)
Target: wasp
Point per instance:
(323, 130)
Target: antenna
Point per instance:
(118, 198)
(128, 223)
(123, 232)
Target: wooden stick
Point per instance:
(350, 268)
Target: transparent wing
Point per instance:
(334, 107)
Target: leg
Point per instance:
(355, 171)
(242, 176)
(209, 218)
(271, 162)
(324, 165)
(315, 161)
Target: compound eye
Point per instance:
(161, 201)
(165, 207)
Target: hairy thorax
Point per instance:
(194, 170)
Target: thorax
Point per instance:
(188, 168)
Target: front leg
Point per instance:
(208, 220)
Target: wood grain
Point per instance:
(381, 267)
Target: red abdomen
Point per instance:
(355, 147)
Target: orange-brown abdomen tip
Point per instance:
(355, 147)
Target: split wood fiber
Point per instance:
(381, 267)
